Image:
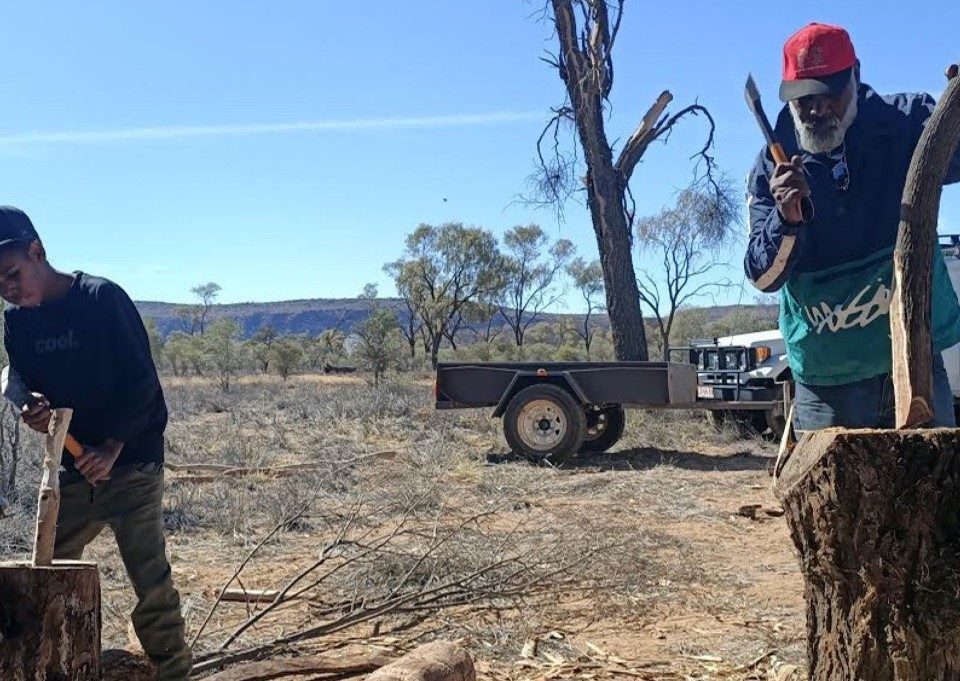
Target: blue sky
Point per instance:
(285, 149)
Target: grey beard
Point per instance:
(826, 138)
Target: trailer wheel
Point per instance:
(604, 429)
(544, 422)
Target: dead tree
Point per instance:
(587, 31)
(687, 239)
(874, 514)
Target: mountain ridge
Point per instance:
(314, 315)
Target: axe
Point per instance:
(16, 391)
(752, 94)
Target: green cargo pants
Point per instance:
(130, 503)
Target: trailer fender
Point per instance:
(524, 379)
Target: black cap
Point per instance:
(15, 227)
(833, 84)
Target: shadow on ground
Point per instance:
(645, 458)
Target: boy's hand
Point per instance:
(37, 414)
(96, 463)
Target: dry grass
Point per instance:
(634, 553)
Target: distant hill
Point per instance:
(313, 316)
(287, 317)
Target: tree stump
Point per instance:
(875, 516)
(49, 622)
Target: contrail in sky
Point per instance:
(334, 125)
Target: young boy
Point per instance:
(78, 341)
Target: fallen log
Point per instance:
(248, 595)
(334, 667)
(123, 665)
(437, 661)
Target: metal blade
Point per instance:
(752, 94)
(13, 388)
(751, 91)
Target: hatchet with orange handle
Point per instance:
(752, 94)
(19, 395)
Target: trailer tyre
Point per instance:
(544, 422)
(604, 429)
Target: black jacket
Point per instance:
(88, 350)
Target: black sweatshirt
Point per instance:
(89, 350)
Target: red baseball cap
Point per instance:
(816, 61)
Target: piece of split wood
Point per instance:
(248, 595)
(48, 500)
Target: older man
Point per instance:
(823, 228)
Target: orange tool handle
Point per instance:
(72, 446)
(779, 155)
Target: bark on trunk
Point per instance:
(49, 622)
(606, 186)
(916, 241)
(875, 516)
(605, 198)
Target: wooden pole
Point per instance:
(48, 503)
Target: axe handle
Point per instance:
(72, 446)
(779, 155)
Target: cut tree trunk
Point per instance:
(49, 622)
(875, 516)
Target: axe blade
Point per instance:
(752, 94)
(14, 389)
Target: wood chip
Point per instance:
(554, 659)
(529, 649)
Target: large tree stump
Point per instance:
(49, 622)
(875, 516)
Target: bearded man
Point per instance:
(823, 228)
